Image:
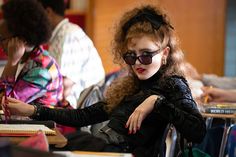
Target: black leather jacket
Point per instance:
(176, 106)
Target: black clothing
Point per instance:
(176, 106)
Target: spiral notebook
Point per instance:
(24, 129)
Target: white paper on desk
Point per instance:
(93, 154)
(24, 129)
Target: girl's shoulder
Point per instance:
(176, 87)
(174, 81)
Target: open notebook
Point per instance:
(48, 123)
(24, 129)
(220, 108)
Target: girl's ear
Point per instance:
(166, 51)
(165, 54)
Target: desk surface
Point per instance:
(213, 115)
(58, 140)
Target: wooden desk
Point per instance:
(227, 126)
(58, 140)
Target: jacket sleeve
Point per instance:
(178, 107)
(73, 117)
(30, 86)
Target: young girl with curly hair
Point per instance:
(140, 105)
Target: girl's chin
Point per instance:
(143, 77)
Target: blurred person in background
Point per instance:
(219, 95)
(78, 59)
(23, 29)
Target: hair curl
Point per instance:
(164, 36)
(27, 20)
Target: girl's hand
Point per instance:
(18, 107)
(140, 113)
(15, 50)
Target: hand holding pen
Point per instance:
(211, 94)
(206, 94)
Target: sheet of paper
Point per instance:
(24, 128)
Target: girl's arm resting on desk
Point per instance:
(70, 117)
(73, 117)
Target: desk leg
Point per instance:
(224, 139)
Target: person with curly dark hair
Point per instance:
(23, 29)
(141, 104)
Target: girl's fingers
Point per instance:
(140, 119)
(131, 124)
(127, 123)
(135, 122)
(13, 100)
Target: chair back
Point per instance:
(168, 142)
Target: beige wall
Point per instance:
(200, 25)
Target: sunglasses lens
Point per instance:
(145, 59)
(130, 59)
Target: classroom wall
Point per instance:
(200, 25)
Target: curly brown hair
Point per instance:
(27, 20)
(148, 21)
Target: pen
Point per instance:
(206, 98)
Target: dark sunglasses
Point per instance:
(145, 59)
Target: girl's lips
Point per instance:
(140, 70)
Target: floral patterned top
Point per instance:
(39, 81)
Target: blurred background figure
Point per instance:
(219, 95)
(218, 81)
(23, 29)
(79, 61)
(195, 84)
(219, 89)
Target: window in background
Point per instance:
(230, 46)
